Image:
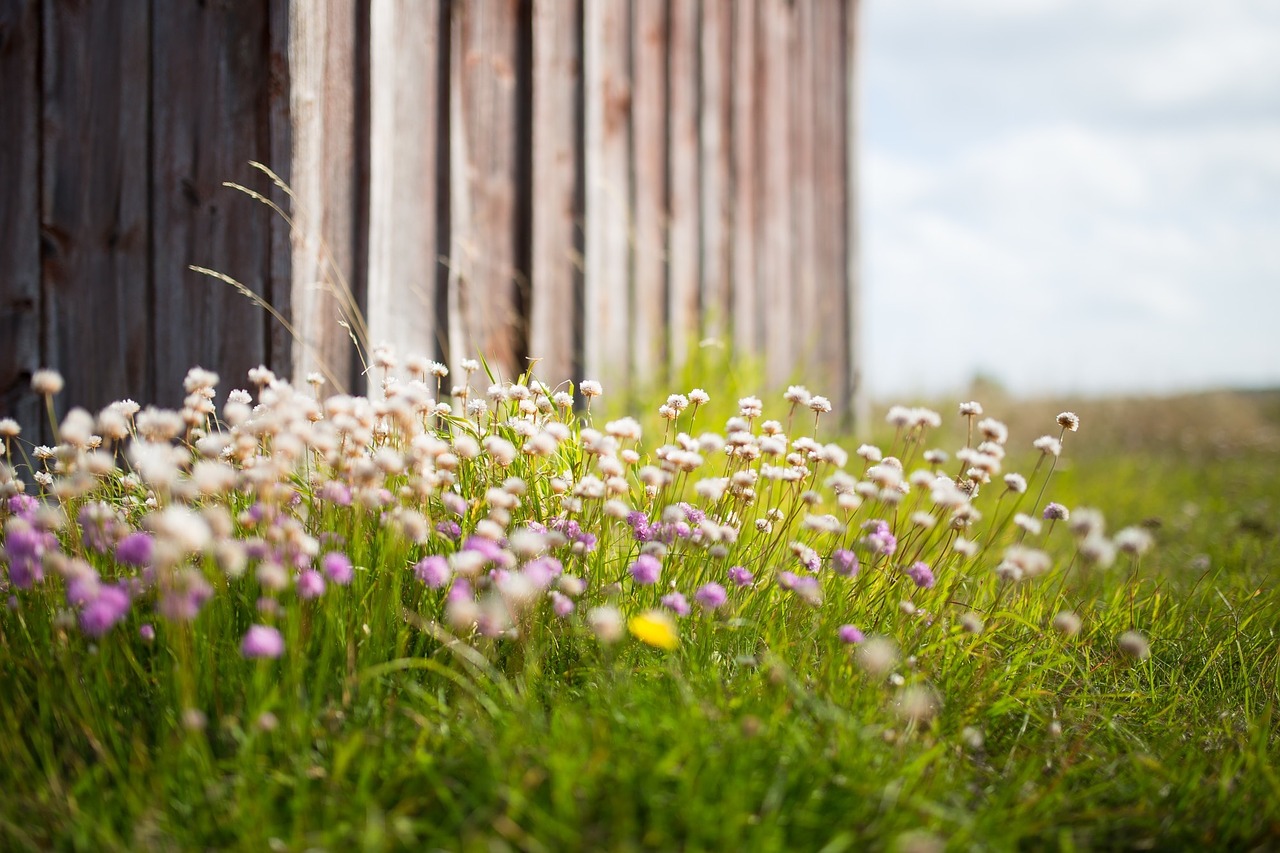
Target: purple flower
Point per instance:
(433, 571)
(337, 566)
(849, 634)
(542, 571)
(844, 562)
(921, 574)
(25, 547)
(691, 512)
(640, 527)
(562, 604)
(262, 641)
(449, 530)
(711, 596)
(805, 586)
(24, 507)
(454, 503)
(491, 550)
(105, 610)
(809, 559)
(740, 576)
(135, 549)
(788, 580)
(461, 590)
(881, 539)
(147, 632)
(646, 569)
(185, 594)
(676, 603)
(310, 584)
(336, 492)
(1056, 512)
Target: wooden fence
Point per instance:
(595, 183)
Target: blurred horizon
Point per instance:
(1070, 196)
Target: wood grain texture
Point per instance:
(773, 207)
(716, 141)
(747, 90)
(830, 181)
(684, 241)
(322, 54)
(555, 332)
(483, 298)
(94, 210)
(649, 134)
(406, 197)
(210, 117)
(607, 96)
(20, 213)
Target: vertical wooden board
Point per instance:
(483, 289)
(210, 116)
(94, 206)
(811, 322)
(322, 54)
(649, 127)
(855, 396)
(684, 239)
(773, 207)
(20, 213)
(406, 113)
(607, 106)
(556, 274)
(831, 269)
(746, 91)
(279, 344)
(716, 130)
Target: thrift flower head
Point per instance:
(337, 566)
(606, 623)
(921, 574)
(646, 569)
(1056, 512)
(741, 576)
(676, 603)
(880, 539)
(711, 596)
(262, 641)
(654, 628)
(850, 635)
(1069, 421)
(1133, 644)
(135, 549)
(844, 562)
(107, 608)
(310, 584)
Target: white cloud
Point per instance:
(1072, 196)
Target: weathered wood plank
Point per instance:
(279, 345)
(406, 197)
(855, 395)
(685, 235)
(746, 89)
(829, 110)
(322, 54)
(556, 273)
(649, 149)
(20, 213)
(810, 321)
(483, 297)
(773, 210)
(94, 206)
(607, 96)
(210, 116)
(716, 129)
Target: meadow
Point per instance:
(482, 615)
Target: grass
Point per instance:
(394, 719)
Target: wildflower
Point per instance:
(972, 409)
(877, 656)
(972, 622)
(262, 641)
(1027, 523)
(820, 405)
(741, 576)
(676, 603)
(147, 632)
(916, 703)
(921, 574)
(844, 562)
(850, 635)
(561, 604)
(698, 397)
(645, 570)
(1133, 644)
(711, 596)
(1133, 540)
(1069, 421)
(337, 566)
(47, 383)
(590, 388)
(9, 428)
(106, 608)
(1015, 483)
(654, 628)
(797, 395)
(310, 584)
(750, 407)
(1048, 445)
(1067, 623)
(881, 539)
(1056, 512)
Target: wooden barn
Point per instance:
(598, 184)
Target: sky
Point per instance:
(1071, 196)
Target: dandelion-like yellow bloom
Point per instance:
(655, 628)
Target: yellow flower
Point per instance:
(655, 628)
